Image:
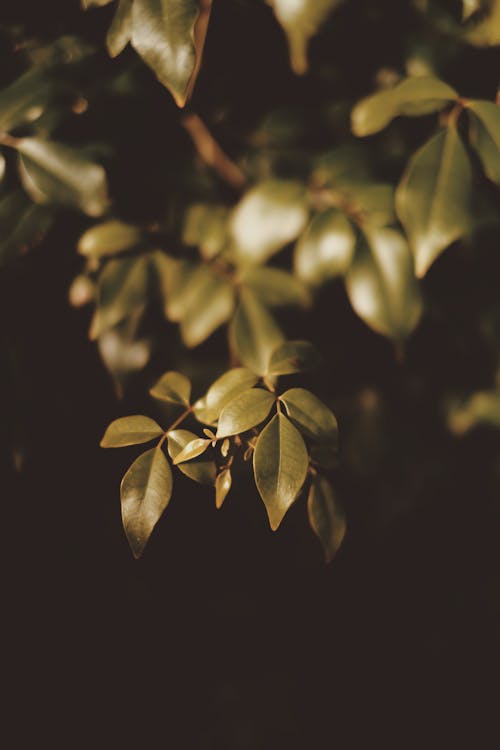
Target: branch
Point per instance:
(211, 153)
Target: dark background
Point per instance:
(226, 636)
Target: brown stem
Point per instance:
(175, 424)
(211, 153)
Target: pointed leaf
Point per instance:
(201, 469)
(485, 136)
(130, 431)
(293, 356)
(191, 450)
(254, 334)
(469, 7)
(325, 249)
(326, 516)
(280, 465)
(221, 392)
(122, 289)
(120, 31)
(276, 288)
(300, 20)
(244, 411)
(222, 487)
(173, 387)
(145, 491)
(212, 308)
(108, 238)
(310, 415)
(433, 198)
(205, 226)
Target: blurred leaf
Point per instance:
(120, 31)
(205, 226)
(253, 333)
(108, 238)
(275, 288)
(280, 465)
(145, 492)
(86, 4)
(3, 167)
(325, 455)
(244, 411)
(191, 450)
(201, 469)
(213, 307)
(434, 195)
(419, 95)
(469, 7)
(486, 33)
(293, 356)
(222, 487)
(26, 99)
(374, 202)
(123, 351)
(485, 136)
(82, 291)
(381, 284)
(326, 516)
(268, 217)
(310, 415)
(130, 431)
(482, 408)
(221, 392)
(56, 173)
(326, 248)
(173, 387)
(122, 289)
(22, 225)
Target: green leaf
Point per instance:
(211, 309)
(120, 31)
(419, 95)
(374, 203)
(222, 487)
(269, 216)
(27, 98)
(485, 136)
(205, 226)
(486, 33)
(469, 7)
(22, 225)
(310, 415)
(108, 238)
(221, 392)
(173, 387)
(244, 411)
(482, 408)
(163, 33)
(56, 173)
(253, 333)
(145, 491)
(191, 450)
(381, 284)
(293, 356)
(275, 288)
(122, 289)
(326, 516)
(301, 20)
(280, 464)
(130, 431)
(433, 198)
(123, 351)
(201, 469)
(325, 249)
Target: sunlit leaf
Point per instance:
(57, 173)
(486, 33)
(202, 469)
(108, 238)
(433, 198)
(205, 226)
(381, 284)
(254, 334)
(326, 516)
(213, 307)
(244, 411)
(280, 467)
(191, 450)
(276, 288)
(419, 95)
(173, 387)
(222, 487)
(310, 415)
(293, 356)
(221, 392)
(120, 31)
(469, 7)
(130, 431)
(122, 288)
(268, 217)
(145, 492)
(485, 136)
(325, 249)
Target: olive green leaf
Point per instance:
(108, 238)
(373, 202)
(419, 95)
(123, 351)
(122, 289)
(300, 20)
(326, 516)
(145, 492)
(244, 411)
(310, 415)
(222, 487)
(325, 455)
(173, 387)
(221, 392)
(56, 173)
(269, 216)
(434, 195)
(202, 469)
(293, 356)
(280, 464)
(205, 226)
(120, 31)
(325, 249)
(485, 136)
(191, 450)
(469, 7)
(130, 431)
(253, 333)
(213, 308)
(275, 288)
(482, 408)
(27, 98)
(486, 33)
(22, 224)
(381, 284)
(164, 35)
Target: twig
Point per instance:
(211, 153)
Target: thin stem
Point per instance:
(211, 153)
(175, 424)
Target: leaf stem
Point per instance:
(211, 153)
(175, 424)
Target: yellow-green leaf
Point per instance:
(326, 516)
(213, 307)
(280, 465)
(222, 487)
(108, 238)
(145, 491)
(130, 431)
(469, 7)
(202, 469)
(191, 450)
(310, 415)
(122, 289)
(485, 136)
(244, 411)
(276, 288)
(293, 356)
(325, 249)
(221, 392)
(254, 334)
(173, 387)
(120, 31)
(205, 227)
(486, 33)
(434, 195)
